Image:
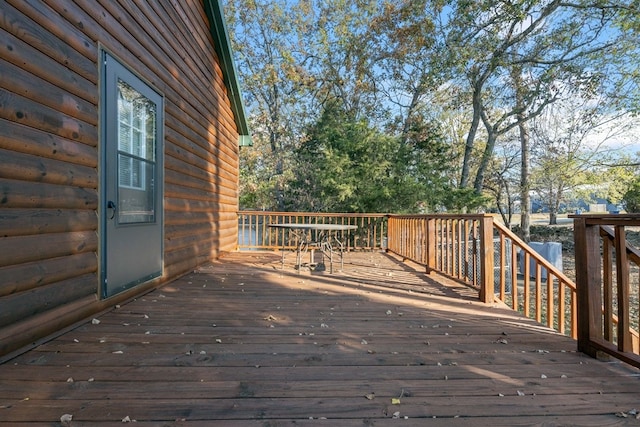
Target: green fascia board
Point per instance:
(220, 35)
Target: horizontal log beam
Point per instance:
(175, 218)
(22, 249)
(22, 222)
(178, 205)
(30, 275)
(23, 139)
(35, 301)
(182, 192)
(209, 187)
(26, 167)
(14, 49)
(23, 194)
(22, 110)
(17, 81)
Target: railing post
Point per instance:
(588, 282)
(391, 231)
(432, 239)
(486, 259)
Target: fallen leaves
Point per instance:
(632, 413)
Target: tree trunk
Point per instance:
(523, 128)
(551, 204)
(471, 136)
(486, 158)
(525, 185)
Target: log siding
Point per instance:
(50, 144)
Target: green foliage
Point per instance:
(348, 166)
(631, 198)
(343, 95)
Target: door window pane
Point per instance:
(136, 156)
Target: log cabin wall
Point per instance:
(50, 144)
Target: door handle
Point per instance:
(112, 205)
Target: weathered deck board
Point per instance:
(242, 342)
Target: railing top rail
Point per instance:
(315, 214)
(463, 216)
(609, 219)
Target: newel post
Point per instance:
(431, 235)
(486, 259)
(588, 282)
(391, 232)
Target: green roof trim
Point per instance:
(214, 11)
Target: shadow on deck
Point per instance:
(241, 342)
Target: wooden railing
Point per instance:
(254, 231)
(542, 291)
(451, 244)
(608, 293)
(488, 256)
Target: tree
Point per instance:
(632, 197)
(267, 57)
(502, 182)
(547, 42)
(570, 147)
(387, 64)
(405, 42)
(347, 165)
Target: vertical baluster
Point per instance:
(414, 239)
(449, 245)
(474, 253)
(486, 257)
(550, 301)
(526, 292)
(514, 273)
(251, 222)
(622, 279)
(459, 246)
(574, 315)
(469, 255)
(440, 245)
(538, 292)
(424, 241)
(562, 308)
(607, 283)
(503, 267)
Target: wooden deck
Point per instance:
(241, 342)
